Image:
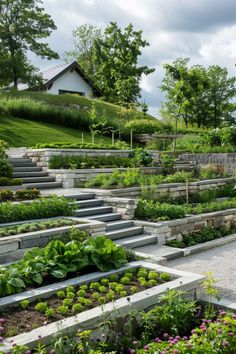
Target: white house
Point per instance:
(66, 78)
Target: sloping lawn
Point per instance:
(21, 132)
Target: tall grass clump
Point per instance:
(38, 111)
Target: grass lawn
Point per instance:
(21, 132)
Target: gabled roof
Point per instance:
(52, 74)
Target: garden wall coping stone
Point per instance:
(185, 281)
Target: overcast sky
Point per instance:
(204, 30)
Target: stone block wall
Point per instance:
(179, 228)
(124, 206)
(170, 190)
(228, 160)
(42, 156)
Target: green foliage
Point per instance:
(151, 210)
(118, 73)
(198, 95)
(175, 316)
(58, 260)
(23, 24)
(24, 194)
(77, 162)
(41, 307)
(44, 208)
(7, 182)
(70, 145)
(144, 126)
(83, 38)
(24, 304)
(103, 253)
(6, 168)
(141, 157)
(204, 235)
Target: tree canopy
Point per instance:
(83, 38)
(23, 25)
(116, 55)
(198, 95)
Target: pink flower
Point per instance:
(146, 347)
(166, 335)
(231, 334)
(225, 343)
(1, 338)
(219, 330)
(1, 329)
(2, 320)
(193, 331)
(176, 351)
(132, 351)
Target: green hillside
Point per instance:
(115, 113)
(21, 132)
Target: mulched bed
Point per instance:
(19, 320)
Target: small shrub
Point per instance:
(41, 307)
(24, 304)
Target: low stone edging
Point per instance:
(11, 244)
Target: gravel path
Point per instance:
(220, 260)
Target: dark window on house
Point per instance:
(62, 92)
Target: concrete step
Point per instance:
(126, 232)
(38, 179)
(93, 211)
(80, 196)
(26, 174)
(120, 224)
(136, 241)
(21, 162)
(46, 185)
(106, 217)
(27, 169)
(89, 203)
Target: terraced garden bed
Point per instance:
(76, 299)
(80, 302)
(33, 226)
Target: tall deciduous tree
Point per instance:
(198, 95)
(116, 56)
(84, 37)
(23, 24)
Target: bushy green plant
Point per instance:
(6, 181)
(6, 168)
(152, 210)
(143, 126)
(140, 157)
(44, 208)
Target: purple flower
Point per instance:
(225, 343)
(1, 329)
(176, 351)
(28, 352)
(132, 351)
(225, 323)
(177, 337)
(1, 338)
(219, 330)
(222, 313)
(163, 352)
(146, 347)
(231, 334)
(193, 331)
(185, 338)
(165, 335)
(53, 351)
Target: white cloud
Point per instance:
(203, 30)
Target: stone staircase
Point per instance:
(184, 165)
(32, 175)
(123, 232)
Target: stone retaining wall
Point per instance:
(228, 160)
(75, 178)
(176, 229)
(124, 206)
(42, 156)
(170, 190)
